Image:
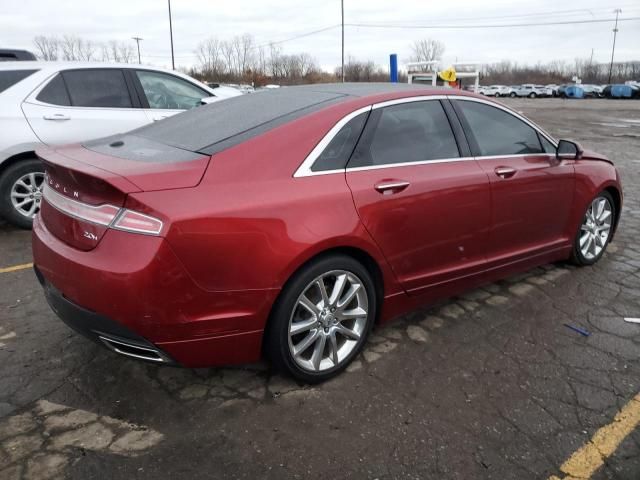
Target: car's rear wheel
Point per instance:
(532, 95)
(21, 192)
(595, 231)
(322, 319)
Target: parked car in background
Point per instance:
(150, 243)
(51, 103)
(511, 90)
(628, 90)
(553, 89)
(494, 91)
(593, 91)
(532, 91)
(13, 55)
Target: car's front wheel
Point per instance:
(21, 192)
(512, 94)
(322, 319)
(595, 231)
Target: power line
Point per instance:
(295, 37)
(498, 25)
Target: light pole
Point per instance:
(137, 39)
(342, 14)
(173, 61)
(613, 49)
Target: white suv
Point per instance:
(494, 91)
(55, 103)
(532, 91)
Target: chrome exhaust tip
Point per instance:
(131, 349)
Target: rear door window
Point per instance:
(8, 78)
(407, 133)
(497, 132)
(102, 88)
(55, 92)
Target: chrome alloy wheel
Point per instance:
(328, 320)
(596, 228)
(26, 193)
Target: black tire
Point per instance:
(7, 180)
(277, 333)
(512, 94)
(532, 95)
(577, 257)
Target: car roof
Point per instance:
(57, 66)
(215, 127)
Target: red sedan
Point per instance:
(289, 222)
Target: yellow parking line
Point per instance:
(591, 456)
(16, 267)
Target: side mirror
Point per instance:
(568, 150)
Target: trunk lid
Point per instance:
(87, 185)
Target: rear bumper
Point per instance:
(101, 329)
(133, 288)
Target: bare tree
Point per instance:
(76, 48)
(48, 47)
(427, 50)
(361, 71)
(209, 53)
(115, 51)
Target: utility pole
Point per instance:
(173, 61)
(342, 14)
(613, 49)
(137, 39)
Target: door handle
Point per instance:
(505, 172)
(157, 119)
(391, 186)
(57, 117)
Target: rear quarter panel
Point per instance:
(250, 224)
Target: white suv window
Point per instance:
(168, 92)
(104, 87)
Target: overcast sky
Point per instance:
(269, 21)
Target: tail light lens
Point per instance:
(137, 222)
(107, 215)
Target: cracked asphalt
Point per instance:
(491, 384)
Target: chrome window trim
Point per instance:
(408, 164)
(304, 170)
(400, 101)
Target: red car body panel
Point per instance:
(237, 226)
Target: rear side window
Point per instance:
(105, 88)
(55, 92)
(409, 132)
(9, 78)
(336, 154)
(497, 132)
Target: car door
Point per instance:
(532, 191)
(83, 104)
(424, 204)
(163, 95)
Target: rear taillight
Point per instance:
(107, 215)
(136, 222)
